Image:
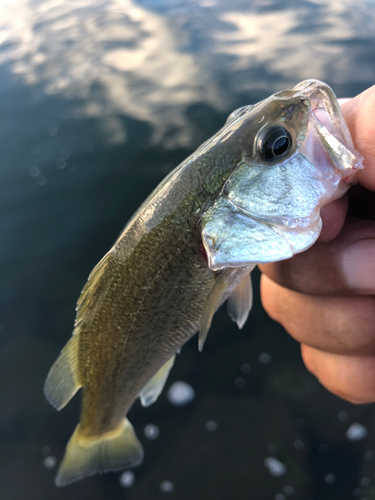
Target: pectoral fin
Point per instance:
(154, 386)
(62, 380)
(213, 302)
(241, 301)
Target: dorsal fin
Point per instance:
(154, 386)
(241, 301)
(63, 380)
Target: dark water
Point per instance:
(99, 100)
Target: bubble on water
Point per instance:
(151, 431)
(323, 448)
(41, 180)
(279, 496)
(369, 455)
(343, 415)
(275, 467)
(211, 425)
(52, 130)
(60, 163)
(265, 358)
(356, 432)
(34, 171)
(50, 462)
(127, 479)
(180, 393)
(365, 481)
(356, 492)
(240, 382)
(298, 444)
(245, 368)
(329, 478)
(166, 487)
(288, 490)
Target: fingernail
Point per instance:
(358, 264)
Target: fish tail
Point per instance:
(87, 455)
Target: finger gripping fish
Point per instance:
(251, 194)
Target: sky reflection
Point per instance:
(151, 60)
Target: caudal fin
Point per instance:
(86, 456)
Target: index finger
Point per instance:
(359, 114)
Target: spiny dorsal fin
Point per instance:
(154, 386)
(62, 380)
(86, 456)
(91, 287)
(241, 301)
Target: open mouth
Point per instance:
(331, 129)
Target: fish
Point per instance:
(250, 194)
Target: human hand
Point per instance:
(325, 297)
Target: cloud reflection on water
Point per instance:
(118, 58)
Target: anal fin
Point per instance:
(240, 301)
(62, 380)
(154, 386)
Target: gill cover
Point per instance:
(269, 208)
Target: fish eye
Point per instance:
(274, 142)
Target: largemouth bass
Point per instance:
(251, 194)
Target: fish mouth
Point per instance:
(330, 127)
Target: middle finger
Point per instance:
(341, 325)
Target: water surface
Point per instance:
(99, 101)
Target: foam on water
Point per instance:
(343, 415)
(166, 487)
(127, 479)
(211, 425)
(50, 462)
(265, 358)
(180, 393)
(275, 467)
(329, 478)
(356, 432)
(151, 431)
(288, 490)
